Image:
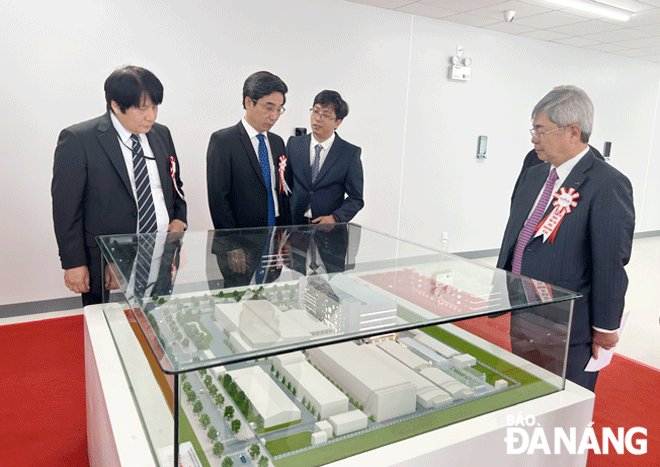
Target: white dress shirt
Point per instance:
(126, 145)
(327, 144)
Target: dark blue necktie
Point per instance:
(265, 170)
(145, 201)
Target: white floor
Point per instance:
(641, 336)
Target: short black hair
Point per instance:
(327, 97)
(263, 83)
(127, 86)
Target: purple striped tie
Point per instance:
(533, 221)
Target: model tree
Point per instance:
(263, 461)
(191, 396)
(205, 420)
(213, 389)
(254, 450)
(227, 462)
(229, 412)
(218, 449)
(197, 408)
(219, 399)
(235, 425)
(213, 433)
(260, 422)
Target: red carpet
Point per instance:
(42, 398)
(42, 394)
(628, 395)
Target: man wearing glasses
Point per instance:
(327, 171)
(571, 224)
(244, 185)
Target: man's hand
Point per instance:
(237, 261)
(110, 281)
(606, 340)
(176, 226)
(324, 220)
(77, 279)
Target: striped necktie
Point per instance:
(316, 165)
(533, 221)
(145, 201)
(265, 170)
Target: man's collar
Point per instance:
(123, 133)
(564, 169)
(326, 144)
(251, 132)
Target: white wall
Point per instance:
(418, 131)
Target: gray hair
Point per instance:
(567, 105)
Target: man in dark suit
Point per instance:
(327, 171)
(246, 187)
(587, 250)
(246, 180)
(115, 174)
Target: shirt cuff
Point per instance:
(609, 331)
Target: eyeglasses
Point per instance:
(323, 116)
(536, 134)
(270, 108)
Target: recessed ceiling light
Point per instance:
(592, 6)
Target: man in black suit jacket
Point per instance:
(93, 184)
(587, 251)
(237, 188)
(335, 193)
(246, 178)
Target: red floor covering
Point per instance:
(42, 394)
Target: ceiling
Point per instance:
(638, 37)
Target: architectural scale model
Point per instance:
(306, 399)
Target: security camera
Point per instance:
(509, 15)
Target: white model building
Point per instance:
(266, 396)
(426, 353)
(323, 425)
(255, 324)
(403, 355)
(383, 392)
(348, 422)
(345, 304)
(455, 388)
(501, 384)
(326, 399)
(464, 360)
(428, 394)
(434, 344)
(319, 437)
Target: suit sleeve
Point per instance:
(612, 222)
(218, 180)
(68, 192)
(180, 206)
(353, 185)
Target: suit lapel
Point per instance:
(249, 151)
(331, 158)
(109, 140)
(302, 151)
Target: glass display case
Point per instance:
(303, 345)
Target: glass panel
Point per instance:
(205, 299)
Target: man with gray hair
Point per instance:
(587, 250)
